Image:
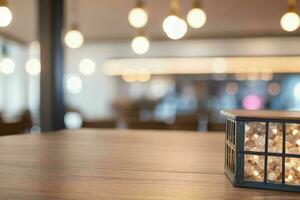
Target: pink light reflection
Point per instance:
(252, 102)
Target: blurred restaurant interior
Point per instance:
(144, 64)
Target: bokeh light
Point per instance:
(129, 75)
(290, 21)
(252, 102)
(33, 66)
(143, 75)
(231, 88)
(274, 88)
(74, 84)
(74, 39)
(87, 66)
(73, 120)
(296, 91)
(7, 66)
(219, 65)
(174, 27)
(138, 17)
(140, 45)
(266, 74)
(5, 16)
(159, 87)
(196, 18)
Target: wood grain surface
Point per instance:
(119, 164)
(262, 114)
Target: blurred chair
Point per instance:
(157, 125)
(108, 123)
(186, 122)
(216, 127)
(22, 126)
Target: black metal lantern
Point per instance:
(262, 149)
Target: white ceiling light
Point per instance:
(140, 44)
(33, 66)
(290, 21)
(138, 16)
(196, 17)
(87, 66)
(7, 66)
(174, 26)
(73, 38)
(5, 14)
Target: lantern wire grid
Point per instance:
(264, 153)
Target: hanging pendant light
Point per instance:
(138, 16)
(173, 25)
(290, 21)
(196, 17)
(74, 38)
(5, 14)
(140, 44)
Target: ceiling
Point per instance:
(107, 19)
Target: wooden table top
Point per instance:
(261, 114)
(119, 164)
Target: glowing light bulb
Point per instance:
(74, 39)
(74, 84)
(7, 66)
(290, 21)
(87, 66)
(33, 66)
(196, 18)
(138, 17)
(5, 16)
(174, 27)
(298, 169)
(295, 132)
(298, 142)
(275, 131)
(140, 45)
(255, 173)
(290, 177)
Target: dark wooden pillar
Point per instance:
(50, 31)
